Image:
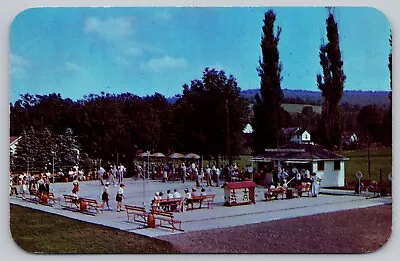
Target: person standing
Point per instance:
(315, 184)
(75, 183)
(119, 197)
(208, 176)
(105, 197)
(24, 187)
(183, 169)
(217, 173)
(121, 172)
(197, 176)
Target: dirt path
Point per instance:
(352, 231)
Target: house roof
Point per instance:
(298, 152)
(239, 185)
(287, 132)
(14, 139)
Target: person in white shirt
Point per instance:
(183, 173)
(176, 194)
(169, 194)
(154, 203)
(197, 176)
(217, 173)
(208, 176)
(120, 173)
(203, 192)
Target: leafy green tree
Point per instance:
(331, 83)
(209, 117)
(267, 109)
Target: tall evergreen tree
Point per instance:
(267, 110)
(331, 83)
(387, 121)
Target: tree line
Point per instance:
(207, 118)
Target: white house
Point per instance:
(13, 143)
(327, 164)
(248, 129)
(296, 135)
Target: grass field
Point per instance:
(358, 160)
(36, 231)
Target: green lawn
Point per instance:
(358, 160)
(36, 231)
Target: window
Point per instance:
(321, 165)
(336, 165)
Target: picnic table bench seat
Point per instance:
(166, 220)
(209, 199)
(74, 204)
(169, 204)
(274, 193)
(37, 196)
(139, 213)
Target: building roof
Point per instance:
(248, 129)
(288, 132)
(239, 185)
(297, 153)
(14, 139)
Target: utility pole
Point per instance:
(369, 157)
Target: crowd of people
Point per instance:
(210, 174)
(187, 196)
(26, 183)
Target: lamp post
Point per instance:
(53, 153)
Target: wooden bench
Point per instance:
(169, 204)
(377, 187)
(274, 193)
(139, 213)
(166, 220)
(92, 204)
(37, 196)
(209, 199)
(303, 188)
(71, 202)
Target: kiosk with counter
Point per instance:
(239, 193)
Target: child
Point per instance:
(203, 192)
(105, 197)
(119, 197)
(75, 183)
(24, 186)
(75, 195)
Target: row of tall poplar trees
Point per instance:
(268, 114)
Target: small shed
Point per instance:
(239, 193)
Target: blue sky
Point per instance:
(78, 51)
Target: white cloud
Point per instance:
(163, 63)
(18, 65)
(112, 28)
(17, 72)
(16, 60)
(162, 16)
(73, 67)
(134, 51)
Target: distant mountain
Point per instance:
(360, 98)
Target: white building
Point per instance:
(13, 143)
(296, 135)
(327, 164)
